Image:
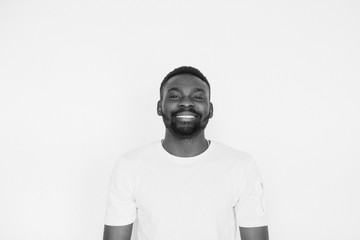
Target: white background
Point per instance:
(79, 86)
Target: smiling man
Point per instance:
(186, 187)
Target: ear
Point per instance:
(211, 111)
(159, 110)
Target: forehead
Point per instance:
(186, 82)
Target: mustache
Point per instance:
(189, 110)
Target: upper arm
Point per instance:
(121, 206)
(250, 207)
(254, 233)
(117, 232)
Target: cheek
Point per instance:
(204, 109)
(168, 108)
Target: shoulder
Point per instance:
(238, 164)
(231, 154)
(137, 155)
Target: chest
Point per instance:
(185, 189)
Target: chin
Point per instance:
(185, 132)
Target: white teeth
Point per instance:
(185, 116)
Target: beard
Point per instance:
(185, 129)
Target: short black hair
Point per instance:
(184, 70)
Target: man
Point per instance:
(186, 187)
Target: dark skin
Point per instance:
(185, 93)
(185, 102)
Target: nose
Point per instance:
(186, 103)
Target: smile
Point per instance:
(185, 116)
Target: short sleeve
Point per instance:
(121, 205)
(250, 207)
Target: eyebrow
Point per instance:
(194, 90)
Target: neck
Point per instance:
(185, 147)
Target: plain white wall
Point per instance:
(79, 84)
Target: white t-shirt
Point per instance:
(203, 197)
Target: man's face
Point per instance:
(185, 105)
